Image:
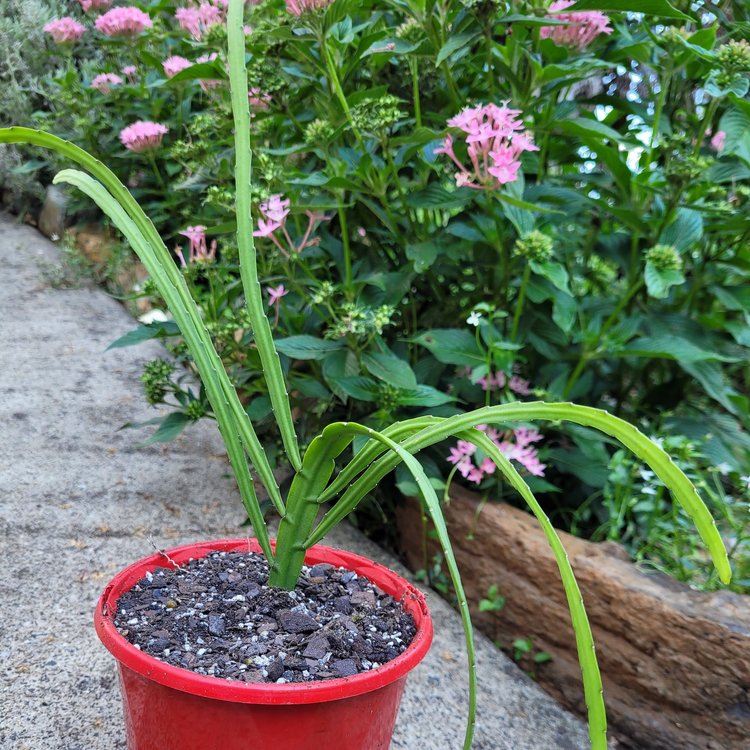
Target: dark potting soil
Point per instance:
(217, 616)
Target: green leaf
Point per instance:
(452, 346)
(735, 123)
(259, 408)
(307, 347)
(422, 254)
(391, 46)
(659, 8)
(564, 310)
(671, 347)
(360, 387)
(435, 196)
(684, 231)
(208, 71)
(236, 429)
(424, 395)
(256, 308)
(455, 43)
(436, 514)
(389, 368)
(711, 377)
(659, 282)
(554, 272)
(171, 426)
(310, 387)
(145, 332)
(583, 126)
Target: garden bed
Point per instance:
(675, 662)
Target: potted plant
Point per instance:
(167, 705)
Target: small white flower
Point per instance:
(474, 319)
(649, 490)
(746, 481)
(723, 468)
(646, 475)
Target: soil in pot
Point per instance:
(217, 616)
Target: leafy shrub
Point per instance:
(425, 173)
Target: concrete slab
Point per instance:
(79, 501)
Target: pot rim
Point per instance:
(219, 688)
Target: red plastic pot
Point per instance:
(168, 708)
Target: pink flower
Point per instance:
(104, 81)
(525, 436)
(128, 21)
(274, 295)
(273, 217)
(274, 299)
(174, 64)
(64, 30)
(463, 455)
(495, 139)
(266, 228)
(143, 136)
(298, 7)
(362, 232)
(198, 250)
(88, 5)
(130, 71)
(583, 27)
(717, 142)
(489, 382)
(468, 449)
(276, 208)
(197, 19)
(519, 385)
(258, 99)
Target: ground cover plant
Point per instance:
(383, 447)
(414, 260)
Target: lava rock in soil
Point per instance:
(217, 616)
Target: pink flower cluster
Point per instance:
(298, 7)
(88, 5)
(130, 71)
(498, 380)
(274, 212)
(515, 445)
(104, 82)
(143, 136)
(258, 99)
(495, 139)
(127, 21)
(65, 30)
(197, 19)
(582, 28)
(199, 252)
(174, 64)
